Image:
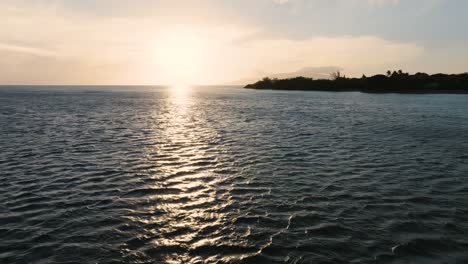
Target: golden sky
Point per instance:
(208, 41)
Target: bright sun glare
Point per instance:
(181, 57)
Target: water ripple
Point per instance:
(232, 176)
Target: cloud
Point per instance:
(27, 68)
(27, 50)
(114, 53)
(383, 2)
(281, 1)
(62, 47)
(370, 2)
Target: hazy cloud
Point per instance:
(383, 2)
(27, 50)
(371, 2)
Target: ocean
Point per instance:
(230, 175)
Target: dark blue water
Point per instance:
(156, 175)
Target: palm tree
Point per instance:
(335, 75)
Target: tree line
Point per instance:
(396, 81)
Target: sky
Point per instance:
(174, 42)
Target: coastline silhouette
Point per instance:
(391, 82)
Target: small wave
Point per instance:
(151, 191)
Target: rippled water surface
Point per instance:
(227, 175)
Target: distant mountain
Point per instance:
(308, 72)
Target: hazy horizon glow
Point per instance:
(222, 42)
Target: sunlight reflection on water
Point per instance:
(193, 205)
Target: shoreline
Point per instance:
(366, 91)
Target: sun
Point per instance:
(181, 57)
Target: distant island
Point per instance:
(392, 82)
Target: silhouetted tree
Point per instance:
(335, 75)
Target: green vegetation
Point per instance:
(392, 82)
